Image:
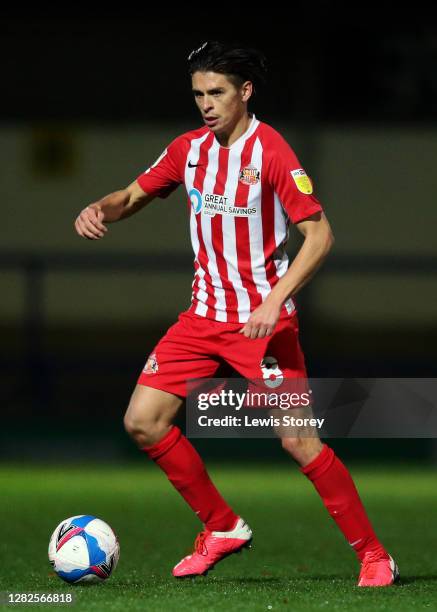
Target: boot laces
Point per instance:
(199, 543)
(370, 562)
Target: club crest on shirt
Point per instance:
(249, 175)
(303, 182)
(151, 366)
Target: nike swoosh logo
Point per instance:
(356, 542)
(190, 165)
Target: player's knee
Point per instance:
(150, 415)
(131, 424)
(142, 429)
(302, 449)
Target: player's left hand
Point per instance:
(262, 321)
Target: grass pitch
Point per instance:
(299, 560)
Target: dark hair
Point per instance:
(238, 63)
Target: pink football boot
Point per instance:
(211, 547)
(377, 570)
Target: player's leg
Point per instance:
(156, 400)
(318, 462)
(334, 484)
(337, 490)
(149, 421)
(150, 415)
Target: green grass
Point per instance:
(299, 561)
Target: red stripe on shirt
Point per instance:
(268, 225)
(242, 231)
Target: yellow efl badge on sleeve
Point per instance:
(302, 181)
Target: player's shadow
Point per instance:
(282, 579)
(285, 579)
(404, 580)
(413, 579)
(249, 580)
(273, 580)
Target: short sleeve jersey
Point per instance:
(241, 200)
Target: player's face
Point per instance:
(220, 102)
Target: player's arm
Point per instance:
(118, 205)
(318, 242)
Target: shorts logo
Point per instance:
(272, 375)
(196, 200)
(249, 175)
(151, 366)
(303, 182)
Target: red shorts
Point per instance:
(196, 347)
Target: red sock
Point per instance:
(335, 486)
(176, 456)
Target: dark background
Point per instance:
(66, 385)
(377, 67)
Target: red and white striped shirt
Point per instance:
(241, 199)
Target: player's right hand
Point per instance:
(89, 223)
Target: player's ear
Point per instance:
(246, 91)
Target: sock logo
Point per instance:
(356, 542)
